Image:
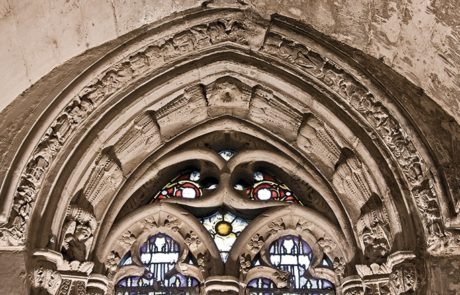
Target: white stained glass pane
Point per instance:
(258, 176)
(224, 241)
(195, 176)
(227, 154)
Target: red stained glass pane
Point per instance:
(185, 186)
(267, 188)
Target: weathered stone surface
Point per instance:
(13, 273)
(328, 115)
(419, 39)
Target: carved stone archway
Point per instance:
(290, 102)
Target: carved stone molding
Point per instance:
(54, 275)
(390, 131)
(133, 231)
(243, 31)
(232, 28)
(263, 231)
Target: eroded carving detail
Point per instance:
(256, 243)
(65, 287)
(403, 279)
(105, 177)
(78, 233)
(318, 140)
(189, 108)
(232, 28)
(172, 223)
(377, 115)
(352, 178)
(327, 244)
(128, 238)
(111, 263)
(228, 95)
(339, 266)
(276, 226)
(245, 263)
(144, 135)
(374, 230)
(397, 275)
(268, 109)
(46, 279)
(192, 239)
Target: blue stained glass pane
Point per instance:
(293, 255)
(159, 256)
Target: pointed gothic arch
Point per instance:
(187, 86)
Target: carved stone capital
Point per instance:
(398, 274)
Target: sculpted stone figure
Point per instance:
(373, 228)
(78, 234)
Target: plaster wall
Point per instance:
(420, 39)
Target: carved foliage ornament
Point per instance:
(233, 29)
(189, 241)
(398, 275)
(378, 116)
(238, 30)
(259, 244)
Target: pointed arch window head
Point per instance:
(293, 256)
(159, 255)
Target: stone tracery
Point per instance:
(334, 161)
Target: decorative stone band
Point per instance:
(128, 70)
(236, 28)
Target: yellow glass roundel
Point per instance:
(223, 228)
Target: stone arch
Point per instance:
(136, 105)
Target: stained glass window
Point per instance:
(186, 186)
(227, 154)
(289, 254)
(224, 228)
(267, 188)
(159, 256)
(293, 255)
